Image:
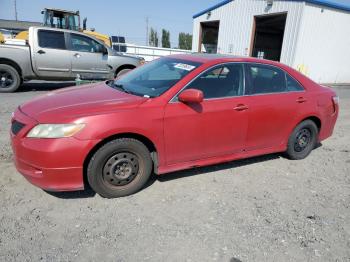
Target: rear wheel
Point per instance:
(302, 141)
(120, 168)
(10, 79)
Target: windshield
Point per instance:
(154, 78)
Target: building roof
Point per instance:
(212, 8)
(336, 4)
(17, 25)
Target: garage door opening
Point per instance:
(268, 32)
(208, 38)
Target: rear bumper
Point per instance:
(328, 125)
(51, 164)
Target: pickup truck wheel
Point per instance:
(302, 140)
(9, 79)
(119, 168)
(123, 71)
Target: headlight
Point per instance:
(55, 130)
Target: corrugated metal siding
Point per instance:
(236, 23)
(323, 47)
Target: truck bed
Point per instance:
(19, 55)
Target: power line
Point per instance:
(147, 21)
(15, 3)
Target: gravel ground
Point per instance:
(261, 209)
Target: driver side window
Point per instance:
(84, 44)
(221, 81)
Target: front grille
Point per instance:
(16, 127)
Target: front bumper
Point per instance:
(51, 164)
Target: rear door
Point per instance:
(275, 100)
(87, 57)
(49, 54)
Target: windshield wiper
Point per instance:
(119, 86)
(122, 88)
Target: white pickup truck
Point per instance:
(59, 55)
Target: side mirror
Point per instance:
(191, 96)
(84, 23)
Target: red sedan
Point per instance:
(177, 112)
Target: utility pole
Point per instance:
(147, 34)
(15, 2)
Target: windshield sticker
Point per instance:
(184, 66)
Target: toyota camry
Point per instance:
(175, 113)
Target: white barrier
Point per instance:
(150, 53)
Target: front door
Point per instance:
(88, 60)
(50, 56)
(215, 127)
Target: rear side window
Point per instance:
(221, 81)
(265, 79)
(51, 39)
(292, 84)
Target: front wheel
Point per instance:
(302, 140)
(119, 168)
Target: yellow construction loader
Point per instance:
(64, 19)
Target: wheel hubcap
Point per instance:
(6, 79)
(303, 139)
(120, 169)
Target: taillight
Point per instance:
(335, 100)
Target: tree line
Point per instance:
(185, 39)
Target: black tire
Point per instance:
(302, 140)
(119, 168)
(10, 79)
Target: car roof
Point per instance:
(56, 29)
(218, 58)
(46, 28)
(213, 59)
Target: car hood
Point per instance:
(69, 103)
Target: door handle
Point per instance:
(240, 107)
(41, 52)
(77, 55)
(301, 100)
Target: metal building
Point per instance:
(312, 36)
